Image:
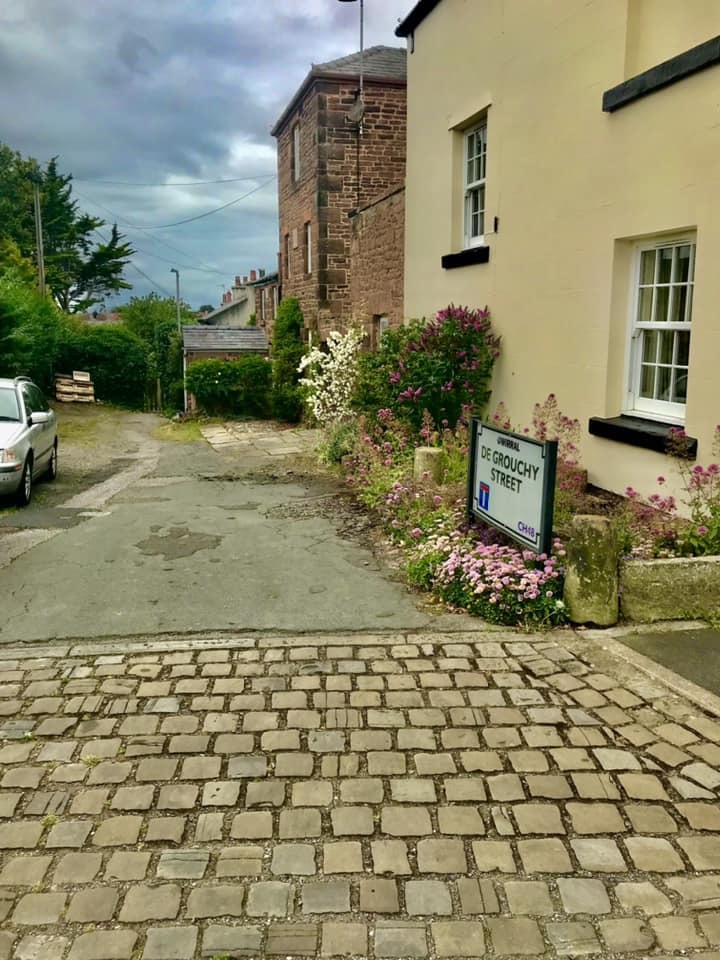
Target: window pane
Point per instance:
(680, 388)
(650, 345)
(667, 342)
(647, 266)
(683, 264)
(662, 298)
(683, 348)
(677, 308)
(663, 383)
(645, 305)
(647, 381)
(665, 267)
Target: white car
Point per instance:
(28, 438)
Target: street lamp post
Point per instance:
(177, 295)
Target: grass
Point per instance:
(187, 432)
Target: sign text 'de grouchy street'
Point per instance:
(511, 484)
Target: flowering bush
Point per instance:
(382, 457)
(438, 367)
(654, 526)
(493, 580)
(330, 376)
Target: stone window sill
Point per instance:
(637, 432)
(466, 258)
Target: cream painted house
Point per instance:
(563, 167)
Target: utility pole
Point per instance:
(36, 180)
(177, 295)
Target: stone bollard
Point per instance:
(591, 578)
(430, 460)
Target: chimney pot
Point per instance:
(253, 276)
(237, 281)
(262, 274)
(244, 279)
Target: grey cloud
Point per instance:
(134, 90)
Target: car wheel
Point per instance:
(53, 464)
(24, 494)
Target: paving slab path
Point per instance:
(384, 795)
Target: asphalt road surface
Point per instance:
(181, 537)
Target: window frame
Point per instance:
(472, 187)
(295, 152)
(287, 256)
(670, 411)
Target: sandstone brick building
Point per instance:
(337, 157)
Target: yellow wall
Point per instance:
(572, 188)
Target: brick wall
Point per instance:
(376, 262)
(340, 172)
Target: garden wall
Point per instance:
(681, 588)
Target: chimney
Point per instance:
(244, 280)
(262, 274)
(237, 281)
(253, 276)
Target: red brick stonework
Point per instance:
(376, 263)
(341, 170)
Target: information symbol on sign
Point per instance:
(484, 497)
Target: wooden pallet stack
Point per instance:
(77, 388)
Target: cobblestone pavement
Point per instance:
(467, 795)
(258, 438)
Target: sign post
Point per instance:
(511, 484)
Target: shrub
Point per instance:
(30, 326)
(330, 377)
(441, 366)
(501, 583)
(115, 358)
(232, 387)
(339, 441)
(287, 351)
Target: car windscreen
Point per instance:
(9, 409)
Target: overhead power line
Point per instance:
(142, 273)
(188, 183)
(150, 235)
(209, 213)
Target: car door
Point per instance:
(40, 433)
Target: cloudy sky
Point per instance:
(166, 92)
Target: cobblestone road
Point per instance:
(412, 796)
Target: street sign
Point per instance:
(511, 484)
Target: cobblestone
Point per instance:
(412, 796)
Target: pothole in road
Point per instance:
(177, 543)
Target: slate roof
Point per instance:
(387, 62)
(379, 63)
(229, 339)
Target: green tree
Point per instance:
(30, 330)
(154, 320)
(287, 351)
(82, 264)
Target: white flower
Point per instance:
(559, 605)
(330, 377)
